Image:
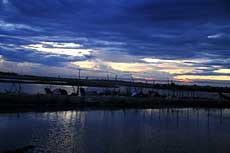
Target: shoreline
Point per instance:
(31, 103)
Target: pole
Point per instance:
(79, 74)
(78, 87)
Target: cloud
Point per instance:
(182, 61)
(150, 37)
(180, 70)
(21, 54)
(12, 26)
(37, 69)
(223, 71)
(215, 36)
(5, 2)
(114, 66)
(56, 48)
(175, 10)
(201, 77)
(86, 65)
(129, 67)
(1, 59)
(62, 44)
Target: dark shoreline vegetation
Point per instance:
(24, 102)
(25, 149)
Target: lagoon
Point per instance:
(181, 130)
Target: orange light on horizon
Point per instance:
(202, 77)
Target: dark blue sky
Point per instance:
(178, 39)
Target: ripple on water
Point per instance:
(121, 131)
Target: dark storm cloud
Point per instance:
(168, 29)
(182, 10)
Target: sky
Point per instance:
(186, 40)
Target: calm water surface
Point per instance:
(120, 131)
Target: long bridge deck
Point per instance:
(29, 79)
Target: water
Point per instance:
(120, 131)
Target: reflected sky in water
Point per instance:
(120, 131)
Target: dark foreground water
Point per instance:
(129, 131)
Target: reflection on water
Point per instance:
(123, 131)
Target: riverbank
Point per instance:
(25, 102)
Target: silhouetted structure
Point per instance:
(57, 91)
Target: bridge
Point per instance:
(31, 79)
